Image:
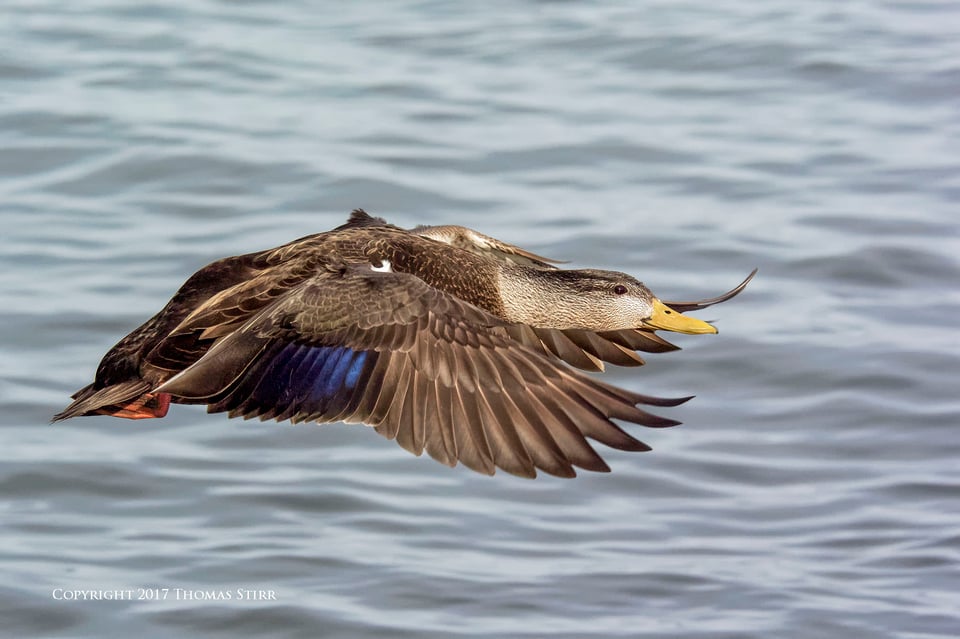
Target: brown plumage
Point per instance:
(449, 341)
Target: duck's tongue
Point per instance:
(667, 319)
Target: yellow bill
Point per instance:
(665, 318)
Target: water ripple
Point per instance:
(812, 490)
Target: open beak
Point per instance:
(667, 319)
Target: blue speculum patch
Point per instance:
(308, 377)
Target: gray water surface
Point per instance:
(814, 488)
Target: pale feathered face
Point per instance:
(610, 300)
(599, 300)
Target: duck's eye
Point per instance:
(619, 289)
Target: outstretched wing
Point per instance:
(588, 350)
(422, 367)
(490, 247)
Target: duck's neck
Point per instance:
(540, 298)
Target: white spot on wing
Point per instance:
(384, 267)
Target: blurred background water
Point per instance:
(814, 489)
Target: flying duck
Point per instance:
(442, 338)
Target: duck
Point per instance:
(441, 338)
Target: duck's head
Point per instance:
(592, 299)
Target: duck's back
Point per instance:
(456, 271)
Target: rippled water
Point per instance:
(814, 489)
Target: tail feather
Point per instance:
(130, 399)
